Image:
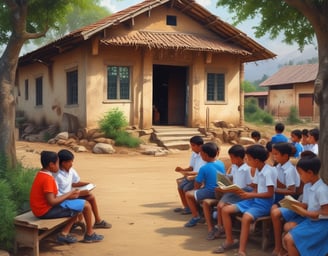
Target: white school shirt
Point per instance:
(65, 180)
(315, 195)
(241, 175)
(196, 161)
(314, 148)
(264, 178)
(288, 175)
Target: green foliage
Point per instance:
(113, 125)
(125, 139)
(276, 17)
(254, 114)
(15, 186)
(293, 117)
(248, 86)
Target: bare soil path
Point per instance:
(137, 194)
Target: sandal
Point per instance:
(222, 248)
(102, 224)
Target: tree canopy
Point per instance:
(300, 22)
(21, 21)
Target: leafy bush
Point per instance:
(15, 186)
(292, 117)
(254, 114)
(113, 125)
(125, 139)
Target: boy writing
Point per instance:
(46, 204)
(67, 178)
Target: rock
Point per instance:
(102, 148)
(246, 141)
(62, 136)
(79, 148)
(104, 140)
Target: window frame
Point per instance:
(216, 91)
(26, 89)
(118, 96)
(72, 90)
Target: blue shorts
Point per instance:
(186, 185)
(203, 193)
(291, 216)
(73, 204)
(58, 212)
(255, 207)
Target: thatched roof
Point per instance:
(229, 39)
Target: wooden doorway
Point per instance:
(305, 105)
(169, 95)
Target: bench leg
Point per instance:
(28, 237)
(265, 234)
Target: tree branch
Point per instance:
(28, 35)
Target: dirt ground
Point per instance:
(137, 194)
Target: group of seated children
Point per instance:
(54, 194)
(261, 187)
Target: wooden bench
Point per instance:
(265, 229)
(29, 230)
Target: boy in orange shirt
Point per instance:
(45, 204)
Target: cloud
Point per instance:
(205, 3)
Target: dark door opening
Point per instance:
(169, 95)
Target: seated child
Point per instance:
(256, 136)
(288, 179)
(205, 181)
(287, 183)
(255, 204)
(68, 178)
(309, 237)
(241, 176)
(313, 141)
(279, 136)
(46, 204)
(295, 137)
(186, 183)
(304, 140)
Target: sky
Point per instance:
(253, 71)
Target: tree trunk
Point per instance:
(321, 98)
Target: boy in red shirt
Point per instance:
(45, 204)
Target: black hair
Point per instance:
(257, 152)
(297, 133)
(280, 127)
(256, 134)
(48, 157)
(198, 140)
(309, 162)
(315, 133)
(285, 148)
(237, 150)
(268, 146)
(210, 149)
(305, 132)
(65, 155)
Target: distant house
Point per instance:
(261, 97)
(160, 61)
(293, 86)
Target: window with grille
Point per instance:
(215, 87)
(72, 87)
(38, 91)
(118, 83)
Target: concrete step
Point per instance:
(174, 137)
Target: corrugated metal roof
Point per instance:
(293, 75)
(173, 40)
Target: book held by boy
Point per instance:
(288, 202)
(227, 188)
(84, 190)
(224, 179)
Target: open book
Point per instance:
(227, 188)
(288, 201)
(224, 179)
(84, 190)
